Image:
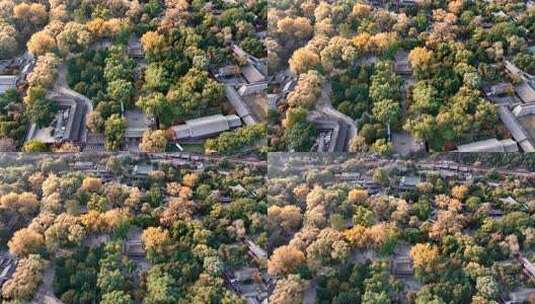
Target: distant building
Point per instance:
(409, 182)
(216, 195)
(525, 92)
(512, 69)
(249, 284)
(401, 63)
(239, 105)
(500, 89)
(239, 52)
(205, 126)
(408, 2)
(252, 74)
(520, 296)
(495, 213)
(228, 70)
(490, 145)
(272, 100)
(348, 176)
(246, 274)
(333, 135)
(7, 267)
(524, 109)
(7, 82)
(517, 131)
(136, 124)
(509, 201)
(375, 2)
(255, 88)
(500, 14)
(142, 170)
(134, 48)
(529, 268)
(402, 267)
(134, 248)
(84, 165)
(255, 250)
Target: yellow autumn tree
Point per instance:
(152, 42)
(357, 236)
(26, 241)
(420, 58)
(190, 180)
(284, 260)
(357, 196)
(155, 238)
(41, 43)
(459, 192)
(303, 60)
(424, 256)
(92, 184)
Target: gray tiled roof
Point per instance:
(239, 105)
(7, 82)
(525, 92)
(490, 145)
(206, 126)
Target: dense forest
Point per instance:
(452, 49)
(355, 229)
(127, 229)
(92, 47)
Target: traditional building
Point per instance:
(490, 145)
(239, 105)
(525, 92)
(401, 63)
(134, 48)
(67, 125)
(7, 82)
(136, 124)
(517, 131)
(204, 127)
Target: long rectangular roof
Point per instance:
(525, 92)
(512, 124)
(489, 145)
(252, 74)
(239, 105)
(516, 130)
(205, 126)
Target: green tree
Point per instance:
(194, 92)
(300, 137)
(487, 287)
(387, 111)
(116, 297)
(121, 90)
(157, 78)
(114, 130)
(157, 106)
(39, 109)
(161, 288)
(33, 146)
(110, 280)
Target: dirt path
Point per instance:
(45, 293)
(310, 293)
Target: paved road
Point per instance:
(310, 292)
(45, 293)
